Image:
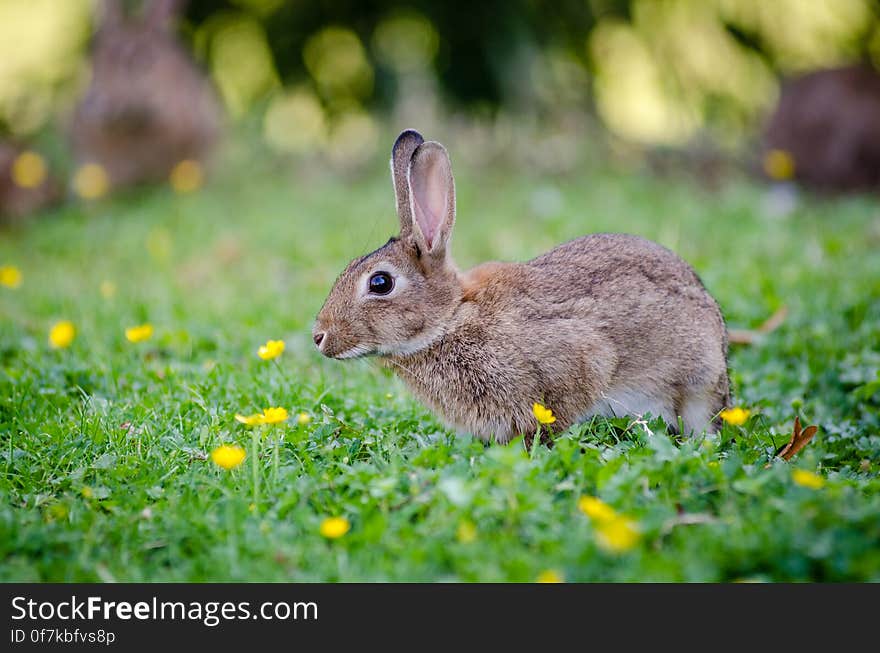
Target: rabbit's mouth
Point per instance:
(358, 351)
(327, 346)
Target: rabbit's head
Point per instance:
(398, 299)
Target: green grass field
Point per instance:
(105, 471)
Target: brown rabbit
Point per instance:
(828, 123)
(23, 194)
(607, 324)
(148, 106)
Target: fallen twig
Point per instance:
(749, 336)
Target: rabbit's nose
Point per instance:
(318, 337)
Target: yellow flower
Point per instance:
(10, 276)
(466, 532)
(228, 456)
(596, 509)
(542, 414)
(268, 416)
(28, 170)
(108, 289)
(186, 176)
(614, 533)
(87, 492)
(139, 333)
(91, 182)
(303, 418)
(779, 164)
(62, 334)
(550, 576)
(617, 535)
(272, 349)
(808, 479)
(249, 420)
(735, 416)
(334, 527)
(274, 415)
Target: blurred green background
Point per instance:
(325, 77)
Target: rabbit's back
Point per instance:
(646, 300)
(596, 265)
(622, 275)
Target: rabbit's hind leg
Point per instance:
(698, 412)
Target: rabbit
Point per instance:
(18, 199)
(148, 106)
(607, 324)
(828, 123)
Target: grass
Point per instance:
(104, 468)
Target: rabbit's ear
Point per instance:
(401, 154)
(160, 14)
(432, 196)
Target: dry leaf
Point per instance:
(799, 439)
(750, 336)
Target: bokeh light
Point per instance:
(295, 122)
(240, 59)
(337, 61)
(630, 93)
(354, 139)
(406, 42)
(675, 67)
(802, 34)
(186, 177)
(91, 181)
(779, 165)
(29, 170)
(327, 81)
(41, 44)
(558, 78)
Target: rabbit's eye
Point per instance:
(381, 283)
